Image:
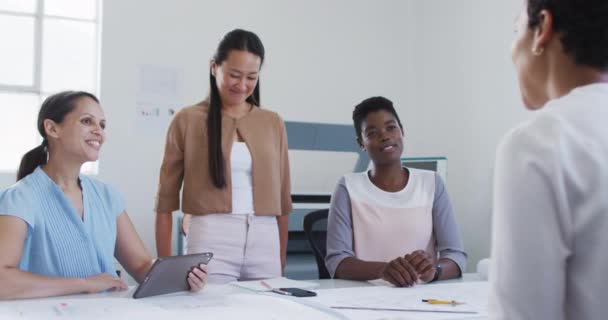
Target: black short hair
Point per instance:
(583, 25)
(370, 105)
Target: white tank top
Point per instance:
(242, 188)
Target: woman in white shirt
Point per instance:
(551, 180)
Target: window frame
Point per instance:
(39, 17)
(36, 87)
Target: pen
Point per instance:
(436, 301)
(266, 285)
(279, 291)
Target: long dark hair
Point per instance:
(55, 108)
(237, 39)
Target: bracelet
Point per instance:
(438, 271)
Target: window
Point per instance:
(47, 46)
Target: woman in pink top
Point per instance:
(391, 222)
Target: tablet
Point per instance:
(170, 274)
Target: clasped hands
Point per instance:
(405, 271)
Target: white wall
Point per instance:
(322, 58)
(466, 99)
(445, 64)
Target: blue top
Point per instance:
(58, 242)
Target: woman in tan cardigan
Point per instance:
(230, 157)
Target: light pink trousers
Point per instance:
(245, 247)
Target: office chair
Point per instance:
(315, 228)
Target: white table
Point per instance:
(213, 292)
(337, 283)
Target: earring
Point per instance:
(538, 51)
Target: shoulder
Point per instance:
(353, 179)
(104, 190)
(20, 200)
(199, 108)
(341, 182)
(549, 127)
(421, 187)
(536, 137)
(340, 188)
(267, 116)
(421, 179)
(421, 174)
(19, 193)
(439, 183)
(358, 186)
(191, 113)
(104, 196)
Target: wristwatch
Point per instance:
(438, 270)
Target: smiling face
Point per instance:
(237, 76)
(382, 138)
(81, 133)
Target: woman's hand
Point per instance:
(102, 282)
(400, 273)
(423, 264)
(197, 278)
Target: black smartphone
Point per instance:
(297, 292)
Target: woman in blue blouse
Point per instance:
(59, 230)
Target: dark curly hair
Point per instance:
(583, 25)
(368, 106)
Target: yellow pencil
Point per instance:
(436, 301)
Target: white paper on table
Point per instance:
(213, 295)
(248, 306)
(216, 304)
(381, 283)
(281, 282)
(94, 308)
(262, 307)
(473, 294)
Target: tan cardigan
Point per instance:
(186, 161)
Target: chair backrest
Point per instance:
(315, 228)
